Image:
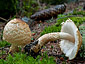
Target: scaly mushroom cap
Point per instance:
(70, 49)
(17, 32)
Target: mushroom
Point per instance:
(70, 49)
(70, 43)
(18, 33)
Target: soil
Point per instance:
(52, 47)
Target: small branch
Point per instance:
(70, 16)
(4, 19)
(39, 3)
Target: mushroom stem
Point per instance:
(13, 48)
(52, 37)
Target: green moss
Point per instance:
(75, 12)
(50, 29)
(30, 7)
(4, 43)
(82, 50)
(19, 58)
(76, 20)
(57, 26)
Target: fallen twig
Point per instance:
(4, 19)
(69, 16)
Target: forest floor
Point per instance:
(52, 47)
(37, 28)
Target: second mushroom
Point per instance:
(18, 33)
(70, 36)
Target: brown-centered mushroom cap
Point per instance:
(18, 33)
(70, 49)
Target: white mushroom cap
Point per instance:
(70, 49)
(17, 32)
